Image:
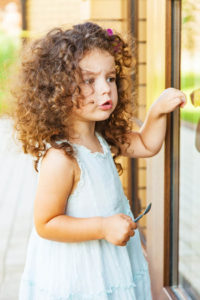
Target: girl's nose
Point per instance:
(103, 86)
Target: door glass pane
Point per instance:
(189, 222)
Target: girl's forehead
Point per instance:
(97, 59)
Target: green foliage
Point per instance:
(187, 19)
(9, 52)
(190, 82)
(190, 115)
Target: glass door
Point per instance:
(173, 231)
(189, 159)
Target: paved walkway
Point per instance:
(17, 190)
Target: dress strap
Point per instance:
(103, 143)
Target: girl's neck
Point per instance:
(82, 131)
(85, 136)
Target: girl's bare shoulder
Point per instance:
(56, 180)
(57, 160)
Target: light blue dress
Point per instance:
(97, 269)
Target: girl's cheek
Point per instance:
(87, 91)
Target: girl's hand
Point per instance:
(118, 229)
(168, 101)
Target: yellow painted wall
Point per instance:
(111, 14)
(142, 86)
(46, 14)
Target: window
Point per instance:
(189, 184)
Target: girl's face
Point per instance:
(98, 89)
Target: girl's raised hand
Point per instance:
(118, 229)
(168, 101)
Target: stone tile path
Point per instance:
(17, 189)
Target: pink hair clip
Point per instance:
(116, 45)
(109, 31)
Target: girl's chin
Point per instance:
(103, 118)
(100, 116)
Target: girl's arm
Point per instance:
(55, 184)
(56, 181)
(148, 141)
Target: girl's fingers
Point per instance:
(123, 244)
(178, 94)
(127, 239)
(180, 100)
(131, 233)
(182, 104)
(182, 96)
(183, 100)
(130, 220)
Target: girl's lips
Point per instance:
(106, 105)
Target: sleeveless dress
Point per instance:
(96, 269)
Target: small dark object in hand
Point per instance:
(144, 213)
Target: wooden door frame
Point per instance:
(163, 71)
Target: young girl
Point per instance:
(73, 111)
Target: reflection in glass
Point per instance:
(189, 222)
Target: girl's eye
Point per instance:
(111, 79)
(89, 81)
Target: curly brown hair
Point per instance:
(48, 87)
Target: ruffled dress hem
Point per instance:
(78, 295)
